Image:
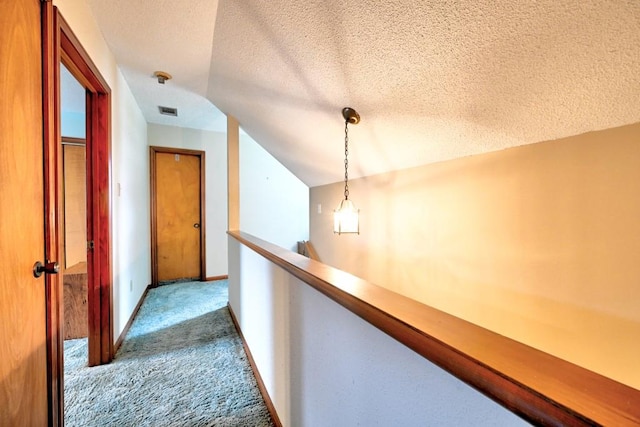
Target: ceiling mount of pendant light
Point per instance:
(350, 115)
(346, 216)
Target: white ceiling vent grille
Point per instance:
(168, 111)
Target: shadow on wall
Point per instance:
(538, 243)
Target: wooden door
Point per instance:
(178, 190)
(74, 192)
(75, 282)
(23, 353)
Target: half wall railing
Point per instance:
(538, 387)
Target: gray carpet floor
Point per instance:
(181, 364)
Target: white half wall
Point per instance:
(129, 170)
(214, 144)
(324, 366)
(274, 203)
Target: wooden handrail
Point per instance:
(539, 387)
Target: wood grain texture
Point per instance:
(23, 353)
(98, 155)
(214, 278)
(69, 140)
(53, 210)
(76, 322)
(78, 61)
(75, 204)
(178, 209)
(539, 387)
(233, 173)
(177, 203)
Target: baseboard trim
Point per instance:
(263, 390)
(130, 322)
(211, 279)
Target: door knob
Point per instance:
(49, 268)
(196, 225)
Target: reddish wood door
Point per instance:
(74, 193)
(177, 210)
(23, 353)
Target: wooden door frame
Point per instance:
(60, 45)
(154, 230)
(98, 146)
(52, 206)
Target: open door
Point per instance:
(33, 41)
(24, 384)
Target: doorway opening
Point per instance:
(73, 124)
(98, 204)
(61, 47)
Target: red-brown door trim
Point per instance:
(52, 210)
(98, 143)
(59, 44)
(154, 231)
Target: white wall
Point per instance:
(274, 203)
(73, 116)
(324, 366)
(214, 144)
(130, 170)
(73, 124)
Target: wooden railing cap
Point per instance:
(539, 387)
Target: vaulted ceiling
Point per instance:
(432, 80)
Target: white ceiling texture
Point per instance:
(432, 80)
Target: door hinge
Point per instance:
(90, 245)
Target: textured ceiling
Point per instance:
(150, 35)
(431, 80)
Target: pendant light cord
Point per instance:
(346, 159)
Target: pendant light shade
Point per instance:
(346, 218)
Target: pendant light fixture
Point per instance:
(346, 216)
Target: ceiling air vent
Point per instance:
(168, 111)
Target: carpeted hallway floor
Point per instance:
(181, 364)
